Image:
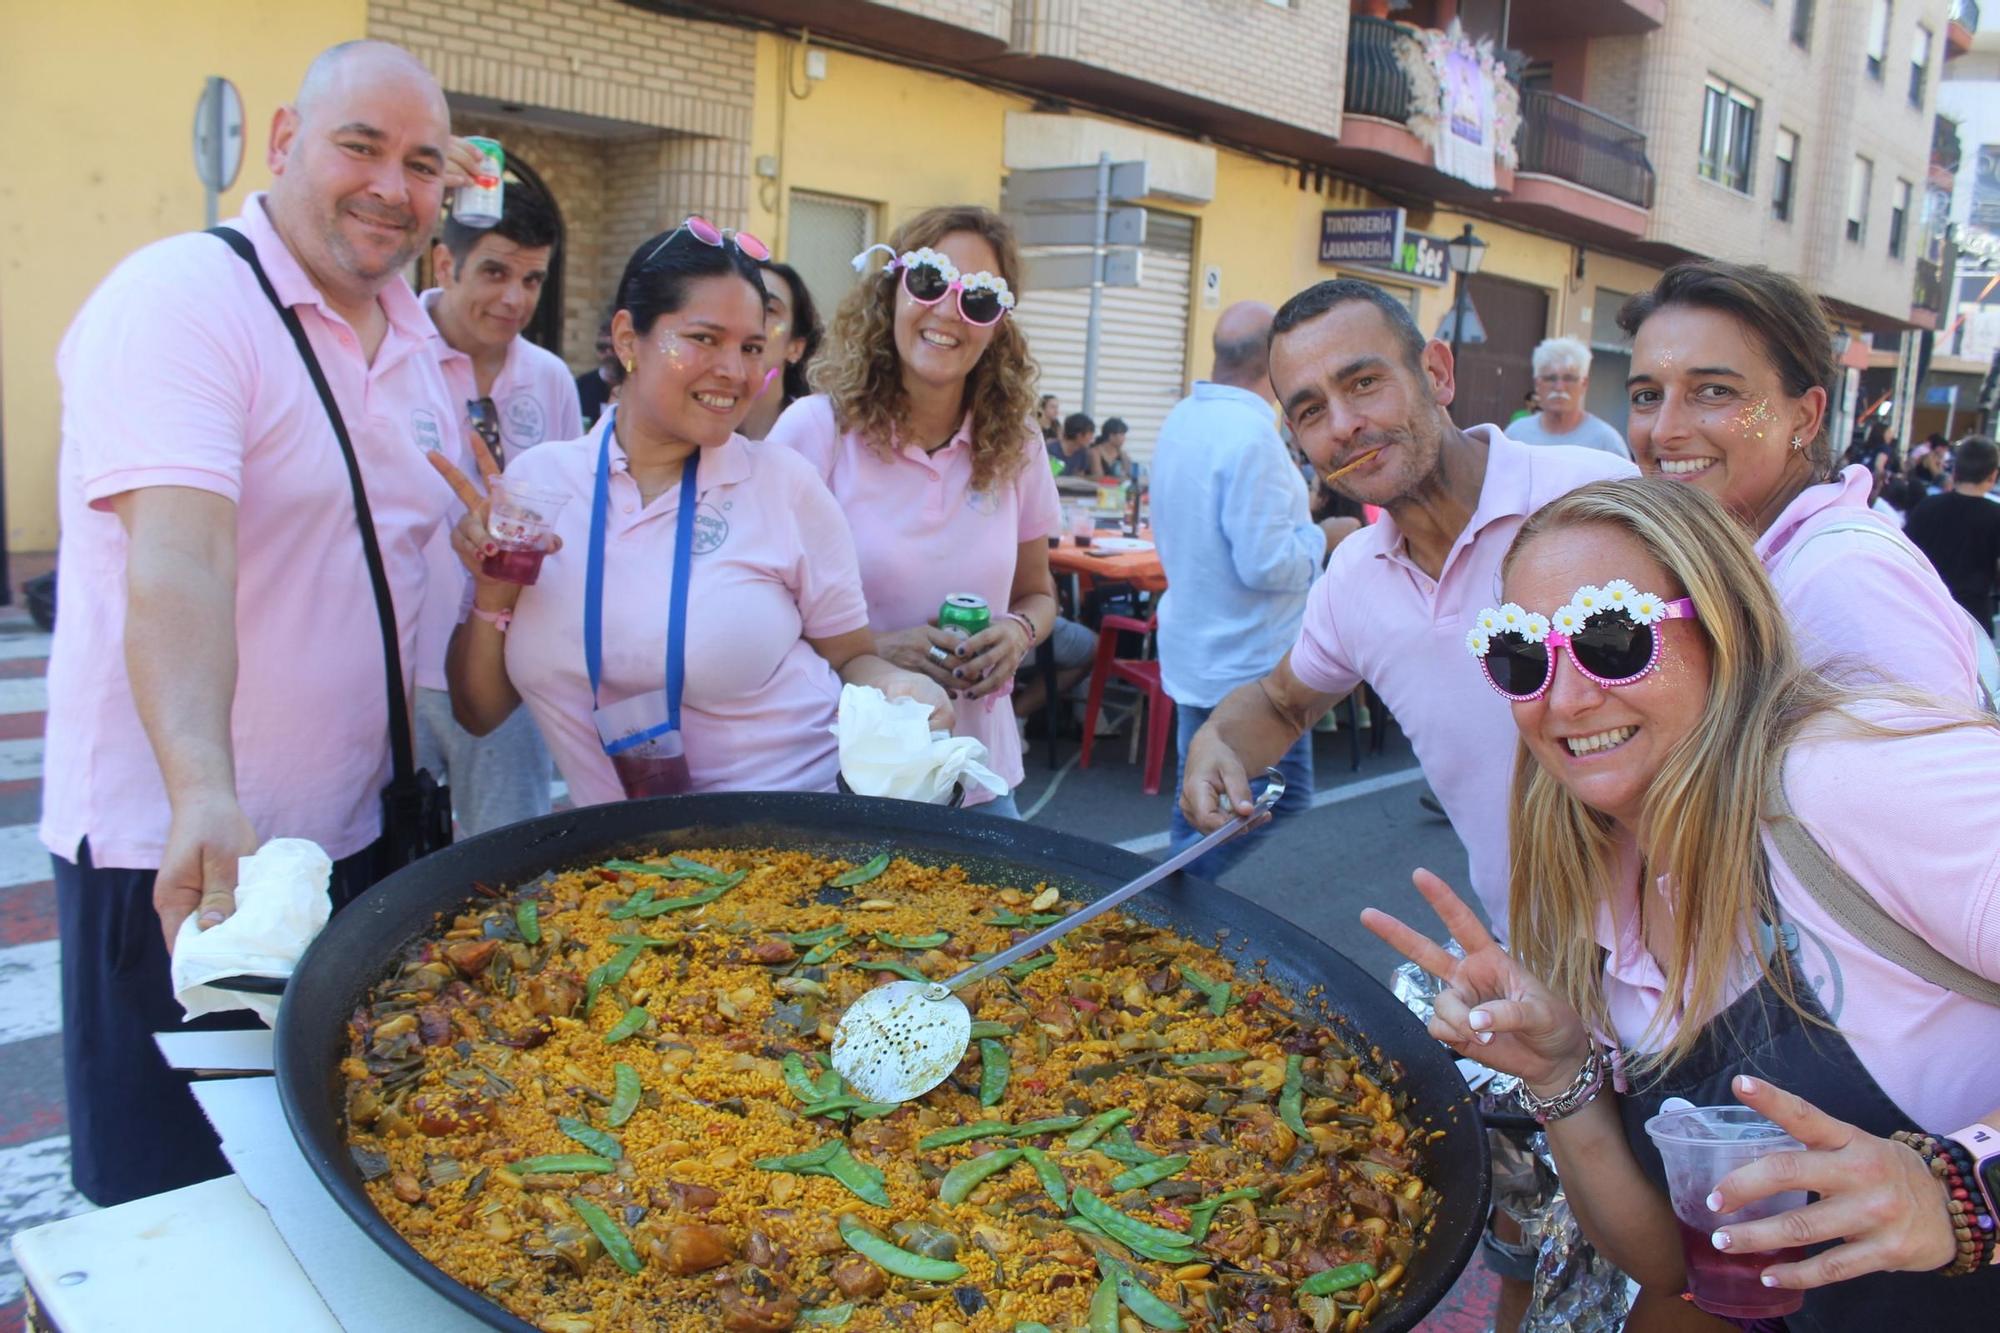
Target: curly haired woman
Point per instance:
(923, 432)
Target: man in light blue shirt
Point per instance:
(1236, 537)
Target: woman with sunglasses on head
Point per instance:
(1730, 368)
(793, 335)
(1709, 843)
(699, 605)
(924, 435)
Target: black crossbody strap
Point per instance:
(402, 752)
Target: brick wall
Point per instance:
(1821, 94)
(574, 168)
(1282, 63)
(991, 18)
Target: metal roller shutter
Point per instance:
(1142, 352)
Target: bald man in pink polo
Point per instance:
(217, 677)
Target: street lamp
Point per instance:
(1466, 252)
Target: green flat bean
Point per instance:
(822, 951)
(799, 1081)
(1030, 1326)
(820, 936)
(894, 1258)
(604, 1145)
(862, 873)
(1118, 1225)
(1216, 991)
(1292, 1097)
(875, 1110)
(528, 918)
(831, 1315)
(630, 907)
(1207, 1058)
(558, 1163)
(1138, 1298)
(831, 1104)
(664, 905)
(994, 1066)
(685, 869)
(634, 1019)
(804, 1161)
(1329, 1280)
(625, 1091)
(615, 1242)
(1053, 1125)
(1166, 1254)
(621, 963)
(1138, 1177)
(903, 970)
(944, 1138)
(867, 1183)
(1050, 1175)
(1119, 1147)
(1104, 1308)
(962, 1179)
(930, 941)
(984, 1028)
(1008, 918)
(1097, 1127)
(1028, 965)
(1202, 1215)
(640, 941)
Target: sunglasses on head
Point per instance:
(1610, 634)
(929, 277)
(709, 234)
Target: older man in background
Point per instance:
(1562, 378)
(217, 676)
(1240, 550)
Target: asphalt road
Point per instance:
(1317, 869)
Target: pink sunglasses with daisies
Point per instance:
(1609, 633)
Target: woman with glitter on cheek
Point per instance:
(1731, 365)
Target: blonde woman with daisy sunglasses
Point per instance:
(1710, 865)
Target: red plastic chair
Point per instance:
(1142, 672)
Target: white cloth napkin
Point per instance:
(281, 903)
(887, 748)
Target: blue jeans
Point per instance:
(1297, 767)
(1000, 807)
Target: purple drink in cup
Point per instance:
(1699, 1145)
(521, 520)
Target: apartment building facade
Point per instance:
(1637, 132)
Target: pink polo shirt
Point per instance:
(1866, 603)
(177, 372)
(773, 564)
(923, 533)
(1375, 616)
(535, 397)
(1909, 817)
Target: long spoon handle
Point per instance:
(1048, 935)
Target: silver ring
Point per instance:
(939, 655)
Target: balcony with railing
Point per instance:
(1562, 137)
(1958, 30)
(1376, 83)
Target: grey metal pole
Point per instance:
(1457, 323)
(1091, 332)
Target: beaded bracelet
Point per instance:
(1971, 1228)
(1034, 637)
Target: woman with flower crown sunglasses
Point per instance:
(922, 430)
(699, 606)
(1714, 897)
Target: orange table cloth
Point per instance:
(1141, 569)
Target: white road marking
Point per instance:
(19, 647)
(1352, 791)
(21, 760)
(34, 1188)
(30, 991)
(24, 696)
(23, 859)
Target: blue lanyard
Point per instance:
(593, 577)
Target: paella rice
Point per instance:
(603, 1101)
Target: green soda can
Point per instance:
(965, 612)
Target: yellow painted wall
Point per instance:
(98, 99)
(901, 138)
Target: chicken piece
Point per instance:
(754, 1302)
(687, 1198)
(441, 1113)
(552, 994)
(1269, 1137)
(693, 1249)
(470, 957)
(858, 1279)
(773, 951)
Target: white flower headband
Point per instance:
(925, 257)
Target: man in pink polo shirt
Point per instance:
(1361, 385)
(510, 395)
(217, 673)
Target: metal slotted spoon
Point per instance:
(902, 1039)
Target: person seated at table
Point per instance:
(924, 435)
(771, 600)
(1073, 449)
(1707, 836)
(1106, 457)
